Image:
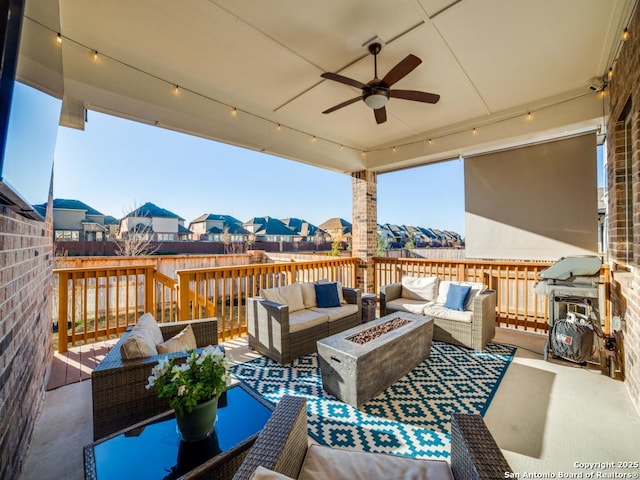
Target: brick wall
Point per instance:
(365, 226)
(25, 331)
(624, 99)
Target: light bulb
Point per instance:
(430, 141)
(59, 39)
(474, 131)
(234, 112)
(625, 34)
(176, 89)
(95, 55)
(610, 72)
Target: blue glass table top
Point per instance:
(153, 449)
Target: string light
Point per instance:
(278, 126)
(610, 74)
(625, 34)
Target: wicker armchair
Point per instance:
(282, 445)
(475, 334)
(119, 396)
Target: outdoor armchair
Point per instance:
(119, 396)
(282, 446)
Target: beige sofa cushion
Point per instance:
(289, 295)
(142, 340)
(476, 289)
(322, 463)
(308, 294)
(301, 319)
(181, 341)
(262, 473)
(336, 313)
(440, 311)
(408, 305)
(420, 288)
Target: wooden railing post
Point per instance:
(149, 297)
(63, 311)
(183, 305)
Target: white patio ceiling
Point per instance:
(492, 62)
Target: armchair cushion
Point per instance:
(183, 340)
(290, 295)
(419, 288)
(336, 313)
(323, 462)
(444, 313)
(143, 339)
(262, 473)
(327, 295)
(408, 305)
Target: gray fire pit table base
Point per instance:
(355, 373)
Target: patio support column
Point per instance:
(365, 226)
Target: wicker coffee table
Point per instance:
(355, 373)
(153, 449)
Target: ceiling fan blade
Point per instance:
(415, 95)
(402, 69)
(381, 115)
(343, 104)
(342, 79)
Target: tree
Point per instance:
(137, 240)
(336, 248)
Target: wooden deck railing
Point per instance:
(222, 291)
(517, 305)
(100, 302)
(94, 303)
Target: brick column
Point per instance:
(365, 225)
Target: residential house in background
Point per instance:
(338, 229)
(269, 229)
(150, 222)
(305, 231)
(218, 228)
(74, 220)
(113, 225)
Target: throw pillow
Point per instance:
(142, 340)
(340, 294)
(457, 297)
(183, 340)
(327, 295)
(308, 294)
(419, 288)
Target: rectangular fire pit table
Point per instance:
(355, 373)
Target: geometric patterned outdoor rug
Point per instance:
(410, 418)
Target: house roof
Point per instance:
(214, 216)
(269, 226)
(300, 226)
(110, 220)
(68, 204)
(149, 210)
(336, 224)
(183, 229)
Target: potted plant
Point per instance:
(192, 388)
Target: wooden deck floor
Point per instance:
(77, 364)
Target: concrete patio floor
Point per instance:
(547, 417)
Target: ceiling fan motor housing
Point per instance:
(376, 96)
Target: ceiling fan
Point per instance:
(376, 93)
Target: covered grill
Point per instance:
(571, 285)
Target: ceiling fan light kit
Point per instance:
(376, 93)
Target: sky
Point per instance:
(115, 165)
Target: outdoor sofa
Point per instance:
(286, 322)
(470, 321)
(118, 391)
(282, 447)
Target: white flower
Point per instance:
(152, 382)
(181, 390)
